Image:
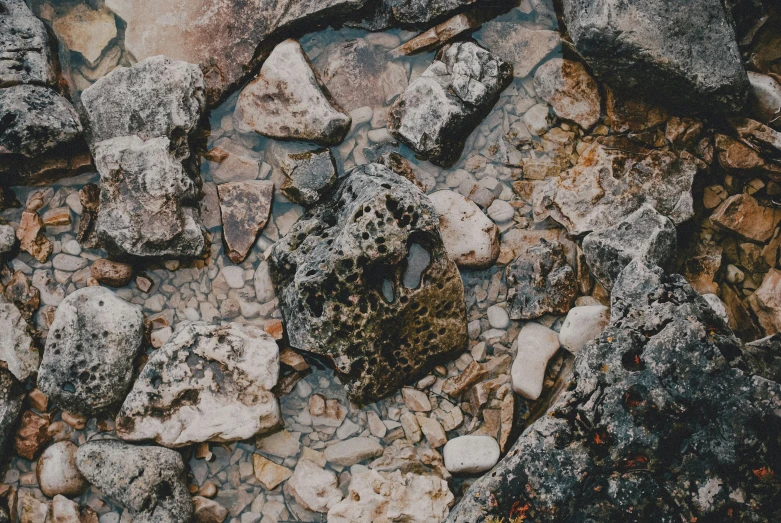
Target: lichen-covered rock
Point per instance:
(17, 352)
(439, 110)
(663, 418)
(207, 383)
(24, 46)
(363, 277)
(11, 400)
(88, 362)
(245, 208)
(150, 481)
(308, 175)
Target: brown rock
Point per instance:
(275, 328)
(701, 268)
(507, 415)
(416, 400)
(740, 319)
(269, 473)
(245, 208)
(766, 302)
(89, 197)
(734, 154)
(208, 511)
(570, 90)
(631, 114)
(325, 411)
(112, 273)
(23, 294)
(38, 400)
(33, 434)
(432, 429)
(292, 359)
(438, 35)
(57, 217)
(456, 385)
(31, 237)
(143, 283)
(216, 154)
(743, 215)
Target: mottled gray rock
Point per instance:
(11, 399)
(7, 239)
(207, 383)
(389, 13)
(17, 353)
(245, 208)
(24, 46)
(439, 110)
(765, 97)
(681, 55)
(522, 44)
(644, 235)
(308, 175)
(363, 278)
(571, 92)
(150, 481)
(662, 419)
(88, 362)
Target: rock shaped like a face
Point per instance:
(11, 399)
(439, 110)
(150, 481)
(660, 50)
(17, 352)
(88, 362)
(288, 101)
(24, 46)
(245, 208)
(363, 277)
(207, 383)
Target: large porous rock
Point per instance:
(663, 418)
(684, 55)
(288, 101)
(207, 383)
(18, 354)
(644, 235)
(363, 278)
(150, 481)
(88, 362)
(11, 400)
(614, 178)
(439, 110)
(24, 46)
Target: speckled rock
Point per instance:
(245, 208)
(439, 110)
(88, 362)
(470, 237)
(666, 377)
(24, 45)
(389, 13)
(17, 353)
(150, 481)
(364, 278)
(308, 175)
(11, 399)
(570, 90)
(207, 383)
(57, 472)
(7, 239)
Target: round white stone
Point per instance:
(57, 472)
(471, 454)
(69, 263)
(498, 317)
(582, 325)
(234, 276)
(536, 345)
(501, 212)
(71, 247)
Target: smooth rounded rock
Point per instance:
(536, 345)
(470, 237)
(582, 325)
(234, 276)
(57, 472)
(471, 454)
(498, 317)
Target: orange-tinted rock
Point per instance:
(33, 434)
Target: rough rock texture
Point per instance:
(88, 362)
(24, 46)
(470, 237)
(150, 481)
(540, 281)
(662, 419)
(363, 277)
(313, 487)
(570, 91)
(207, 383)
(745, 216)
(388, 13)
(17, 353)
(245, 208)
(86, 31)
(439, 110)
(664, 50)
(308, 175)
(612, 179)
(644, 235)
(288, 101)
(11, 399)
(765, 302)
(524, 45)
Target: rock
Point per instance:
(86, 31)
(7, 239)
(536, 346)
(498, 317)
(57, 472)
(540, 281)
(416, 400)
(439, 35)
(208, 511)
(766, 304)
(470, 237)
(65, 510)
(112, 273)
(389, 13)
(614, 178)
(288, 101)
(348, 452)
(363, 277)
(582, 325)
(743, 215)
(88, 362)
(570, 90)
(176, 401)
(522, 44)
(643, 235)
(383, 497)
(471, 454)
(32, 238)
(32, 511)
(501, 211)
(264, 287)
(11, 399)
(439, 109)
(457, 385)
(18, 354)
(68, 262)
(684, 58)
(313, 487)
(245, 208)
(150, 481)
(24, 45)
(432, 429)
(269, 473)
(282, 444)
(734, 154)
(33, 435)
(764, 97)
(308, 175)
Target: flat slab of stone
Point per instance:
(245, 208)
(470, 237)
(354, 450)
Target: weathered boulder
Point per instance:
(18, 354)
(684, 56)
(571, 92)
(207, 383)
(522, 44)
(88, 362)
(245, 208)
(389, 13)
(11, 400)
(614, 178)
(660, 404)
(24, 46)
(86, 30)
(150, 481)
(364, 278)
(439, 110)
(470, 237)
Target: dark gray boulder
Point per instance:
(662, 422)
(364, 279)
(11, 399)
(679, 54)
(381, 14)
(308, 175)
(24, 46)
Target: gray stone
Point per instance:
(308, 175)
(354, 450)
(389, 13)
(522, 44)
(150, 481)
(24, 46)
(765, 97)
(7, 239)
(18, 354)
(88, 362)
(11, 400)
(570, 90)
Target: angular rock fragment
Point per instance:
(766, 304)
(32, 238)
(470, 237)
(33, 434)
(439, 35)
(268, 473)
(364, 278)
(743, 215)
(245, 208)
(570, 90)
(24, 46)
(354, 450)
(313, 487)
(288, 101)
(18, 354)
(207, 383)
(86, 31)
(308, 175)
(443, 106)
(150, 481)
(11, 399)
(522, 44)
(88, 362)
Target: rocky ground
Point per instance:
(389, 260)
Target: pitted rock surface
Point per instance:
(662, 418)
(88, 362)
(363, 277)
(11, 400)
(208, 383)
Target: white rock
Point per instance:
(7, 239)
(352, 451)
(234, 276)
(264, 289)
(471, 454)
(57, 471)
(717, 305)
(500, 211)
(159, 337)
(71, 247)
(498, 317)
(17, 352)
(536, 345)
(65, 510)
(470, 237)
(313, 487)
(582, 325)
(536, 119)
(765, 97)
(282, 444)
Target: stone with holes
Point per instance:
(11, 399)
(150, 481)
(207, 383)
(88, 362)
(364, 278)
